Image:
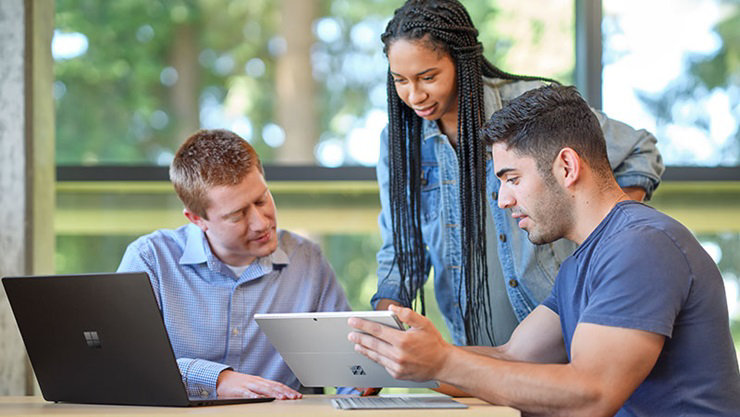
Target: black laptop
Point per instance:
(99, 339)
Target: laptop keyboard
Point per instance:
(354, 403)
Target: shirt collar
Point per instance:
(196, 246)
(429, 129)
(279, 258)
(197, 251)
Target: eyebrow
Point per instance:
(417, 74)
(231, 213)
(503, 171)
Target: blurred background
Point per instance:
(304, 82)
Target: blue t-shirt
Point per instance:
(640, 269)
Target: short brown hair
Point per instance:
(541, 122)
(207, 159)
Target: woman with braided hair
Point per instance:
(437, 190)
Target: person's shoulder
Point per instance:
(291, 243)
(163, 246)
(302, 253)
(640, 241)
(638, 215)
(162, 238)
(511, 89)
(636, 227)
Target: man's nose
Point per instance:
(257, 220)
(505, 198)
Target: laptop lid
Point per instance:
(315, 347)
(98, 338)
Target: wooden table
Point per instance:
(310, 405)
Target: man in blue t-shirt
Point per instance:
(637, 322)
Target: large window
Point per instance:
(302, 80)
(673, 67)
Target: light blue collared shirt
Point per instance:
(208, 311)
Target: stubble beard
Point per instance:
(553, 213)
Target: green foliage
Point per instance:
(723, 68)
(112, 92)
(353, 260)
(495, 43)
(113, 88)
(89, 254)
(115, 104)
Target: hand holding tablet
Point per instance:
(316, 348)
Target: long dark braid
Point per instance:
(445, 25)
(405, 196)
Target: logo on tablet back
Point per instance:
(357, 370)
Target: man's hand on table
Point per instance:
(235, 384)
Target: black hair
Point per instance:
(541, 122)
(445, 25)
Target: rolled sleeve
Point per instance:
(642, 181)
(633, 155)
(386, 290)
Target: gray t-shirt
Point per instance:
(504, 320)
(640, 269)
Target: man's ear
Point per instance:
(567, 167)
(195, 219)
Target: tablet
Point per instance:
(316, 348)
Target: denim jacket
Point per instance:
(528, 270)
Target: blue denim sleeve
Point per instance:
(633, 155)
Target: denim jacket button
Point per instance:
(502, 237)
(513, 283)
(494, 196)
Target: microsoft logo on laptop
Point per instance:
(92, 339)
(357, 370)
